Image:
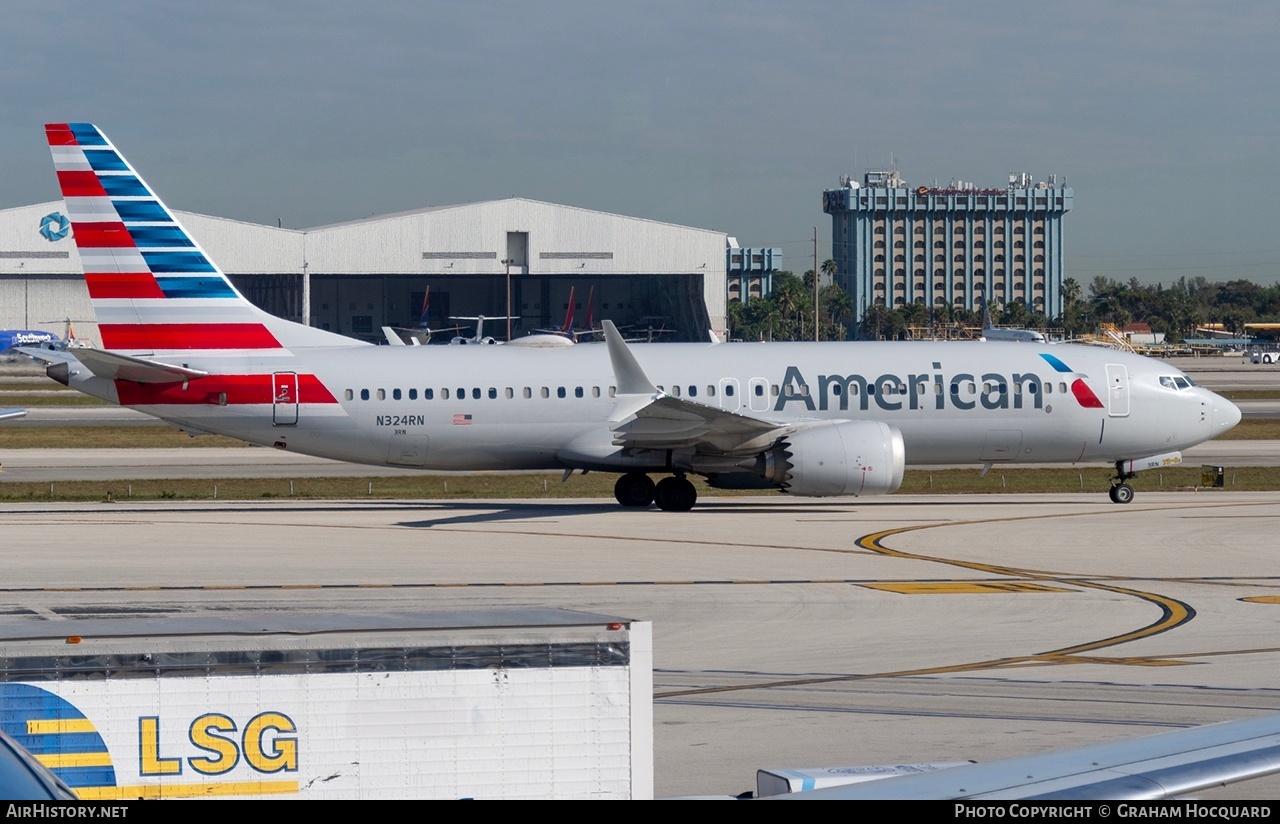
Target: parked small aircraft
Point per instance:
(991, 332)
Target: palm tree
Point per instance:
(1073, 320)
(838, 308)
(792, 301)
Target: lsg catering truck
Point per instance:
(530, 703)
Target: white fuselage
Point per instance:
(479, 408)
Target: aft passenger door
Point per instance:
(1117, 390)
(284, 398)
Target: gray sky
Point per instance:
(731, 116)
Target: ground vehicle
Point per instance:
(515, 703)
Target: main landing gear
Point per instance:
(1121, 492)
(634, 489)
(674, 494)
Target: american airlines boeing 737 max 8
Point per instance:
(180, 343)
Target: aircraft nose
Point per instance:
(1225, 414)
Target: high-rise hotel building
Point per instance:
(937, 246)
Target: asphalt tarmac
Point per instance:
(787, 632)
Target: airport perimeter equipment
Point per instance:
(516, 703)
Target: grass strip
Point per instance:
(1093, 481)
(144, 436)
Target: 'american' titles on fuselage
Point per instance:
(892, 393)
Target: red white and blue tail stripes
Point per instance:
(153, 288)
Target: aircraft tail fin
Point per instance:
(153, 289)
(591, 309)
(424, 322)
(986, 316)
(567, 329)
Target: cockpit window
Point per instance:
(1167, 382)
(1182, 382)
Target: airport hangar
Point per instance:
(660, 280)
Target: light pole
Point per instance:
(816, 338)
(507, 263)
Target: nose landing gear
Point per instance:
(1121, 492)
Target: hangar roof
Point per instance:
(470, 238)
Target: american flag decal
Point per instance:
(461, 420)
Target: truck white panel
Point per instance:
(514, 713)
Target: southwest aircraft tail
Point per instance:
(154, 290)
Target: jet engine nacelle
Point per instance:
(837, 458)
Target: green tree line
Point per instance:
(1175, 310)
(786, 313)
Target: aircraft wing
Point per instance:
(646, 418)
(1167, 765)
(6, 414)
(672, 423)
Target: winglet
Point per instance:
(630, 377)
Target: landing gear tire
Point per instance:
(634, 489)
(1121, 494)
(675, 494)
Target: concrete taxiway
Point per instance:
(787, 633)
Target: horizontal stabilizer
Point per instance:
(113, 366)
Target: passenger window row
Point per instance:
(691, 391)
(493, 392)
(475, 393)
